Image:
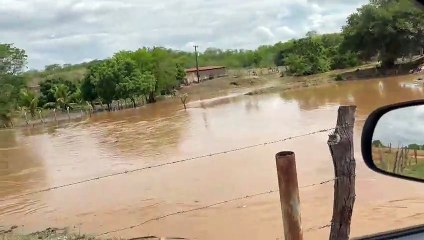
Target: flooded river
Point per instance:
(38, 158)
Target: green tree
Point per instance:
(181, 73)
(296, 64)
(88, 86)
(107, 81)
(12, 60)
(48, 89)
(163, 68)
(307, 56)
(62, 96)
(377, 143)
(390, 29)
(414, 146)
(28, 101)
(7, 103)
(53, 67)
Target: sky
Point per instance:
(402, 126)
(74, 31)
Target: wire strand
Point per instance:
(164, 164)
(208, 206)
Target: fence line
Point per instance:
(166, 164)
(213, 205)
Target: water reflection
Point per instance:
(368, 94)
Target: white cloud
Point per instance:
(70, 31)
(401, 126)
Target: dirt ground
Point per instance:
(59, 233)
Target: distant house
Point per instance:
(205, 73)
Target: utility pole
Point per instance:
(197, 63)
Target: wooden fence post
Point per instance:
(67, 111)
(289, 195)
(415, 155)
(341, 147)
(395, 165)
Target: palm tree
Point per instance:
(28, 101)
(62, 95)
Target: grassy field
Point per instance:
(390, 160)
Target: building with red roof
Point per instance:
(205, 73)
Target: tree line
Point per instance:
(382, 29)
(413, 146)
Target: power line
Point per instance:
(212, 205)
(165, 164)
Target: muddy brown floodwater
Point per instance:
(33, 159)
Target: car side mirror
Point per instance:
(393, 140)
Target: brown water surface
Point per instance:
(38, 158)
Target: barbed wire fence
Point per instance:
(182, 161)
(214, 205)
(165, 164)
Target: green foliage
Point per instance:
(88, 86)
(308, 56)
(106, 74)
(49, 87)
(390, 29)
(7, 103)
(414, 146)
(53, 67)
(62, 96)
(12, 60)
(297, 65)
(377, 143)
(28, 101)
(181, 74)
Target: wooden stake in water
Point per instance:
(54, 113)
(26, 118)
(69, 116)
(41, 116)
(183, 99)
(289, 195)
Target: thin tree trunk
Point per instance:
(133, 102)
(151, 97)
(341, 147)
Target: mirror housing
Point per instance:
(370, 143)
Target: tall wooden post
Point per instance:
(41, 116)
(340, 143)
(55, 116)
(67, 111)
(289, 195)
(395, 165)
(26, 118)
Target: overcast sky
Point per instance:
(73, 31)
(402, 126)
